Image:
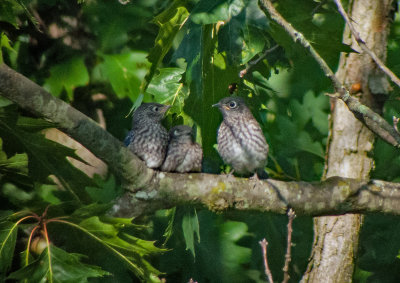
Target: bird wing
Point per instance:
(129, 137)
(251, 138)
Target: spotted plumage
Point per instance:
(241, 142)
(148, 139)
(183, 155)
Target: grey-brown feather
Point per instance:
(148, 138)
(183, 155)
(241, 142)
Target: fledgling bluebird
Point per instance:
(183, 155)
(241, 142)
(148, 139)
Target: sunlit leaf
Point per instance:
(125, 72)
(167, 89)
(170, 22)
(67, 76)
(8, 237)
(57, 265)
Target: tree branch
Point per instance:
(333, 196)
(372, 120)
(267, 271)
(288, 256)
(150, 190)
(364, 47)
(31, 97)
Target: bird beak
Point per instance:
(166, 108)
(215, 105)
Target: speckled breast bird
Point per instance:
(148, 139)
(241, 142)
(183, 155)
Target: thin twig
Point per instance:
(264, 245)
(251, 64)
(395, 123)
(364, 47)
(288, 256)
(372, 120)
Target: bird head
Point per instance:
(152, 112)
(232, 106)
(181, 132)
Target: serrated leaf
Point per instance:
(167, 89)
(57, 265)
(33, 124)
(190, 227)
(8, 238)
(67, 76)
(45, 156)
(127, 248)
(125, 72)
(110, 234)
(170, 22)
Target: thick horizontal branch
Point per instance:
(150, 190)
(371, 119)
(221, 192)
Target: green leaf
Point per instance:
(128, 249)
(91, 210)
(211, 11)
(170, 227)
(8, 238)
(190, 227)
(67, 75)
(170, 22)
(233, 254)
(33, 124)
(106, 190)
(5, 43)
(9, 9)
(125, 72)
(167, 89)
(57, 265)
(115, 26)
(45, 156)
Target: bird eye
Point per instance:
(155, 109)
(232, 104)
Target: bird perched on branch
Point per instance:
(183, 155)
(148, 139)
(241, 142)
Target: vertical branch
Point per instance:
(288, 256)
(264, 245)
(372, 120)
(364, 46)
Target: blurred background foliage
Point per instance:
(105, 56)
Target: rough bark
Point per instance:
(336, 238)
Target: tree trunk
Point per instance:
(350, 142)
